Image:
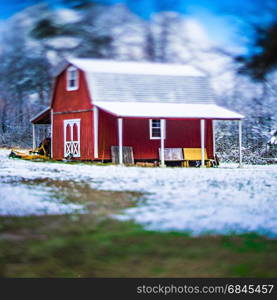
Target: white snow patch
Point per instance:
(20, 200)
(223, 200)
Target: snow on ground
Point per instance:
(20, 200)
(223, 200)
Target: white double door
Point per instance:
(72, 138)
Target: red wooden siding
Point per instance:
(68, 101)
(209, 144)
(75, 133)
(179, 134)
(68, 133)
(64, 100)
(86, 135)
(107, 136)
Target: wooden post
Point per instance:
(95, 128)
(240, 143)
(202, 133)
(120, 140)
(34, 137)
(162, 142)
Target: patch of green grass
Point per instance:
(251, 242)
(123, 249)
(241, 270)
(94, 245)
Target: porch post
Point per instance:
(95, 128)
(162, 142)
(202, 133)
(240, 143)
(213, 128)
(120, 140)
(34, 137)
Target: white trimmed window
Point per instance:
(155, 129)
(72, 79)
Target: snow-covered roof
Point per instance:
(144, 82)
(168, 110)
(130, 67)
(135, 89)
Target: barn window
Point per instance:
(72, 80)
(155, 129)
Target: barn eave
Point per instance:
(43, 117)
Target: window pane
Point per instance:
(72, 83)
(72, 74)
(156, 123)
(72, 78)
(156, 132)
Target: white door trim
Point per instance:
(72, 147)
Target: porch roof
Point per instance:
(42, 117)
(168, 110)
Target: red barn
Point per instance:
(150, 107)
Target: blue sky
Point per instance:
(214, 15)
(143, 7)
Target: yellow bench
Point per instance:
(195, 154)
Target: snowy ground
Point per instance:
(20, 200)
(223, 200)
